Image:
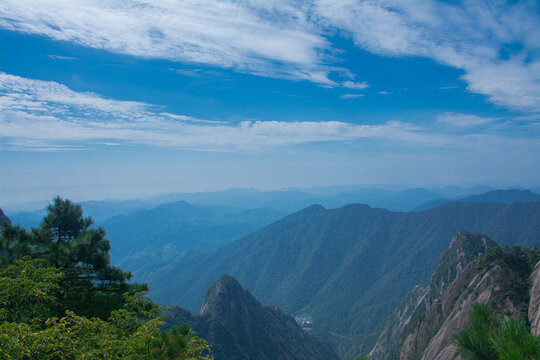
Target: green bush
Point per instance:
(491, 337)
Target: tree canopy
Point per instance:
(90, 286)
(60, 297)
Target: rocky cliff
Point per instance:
(506, 279)
(464, 247)
(534, 302)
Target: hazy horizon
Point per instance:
(34, 202)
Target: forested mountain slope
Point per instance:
(346, 268)
(149, 239)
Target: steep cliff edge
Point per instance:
(534, 303)
(508, 280)
(464, 247)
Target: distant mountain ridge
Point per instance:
(498, 196)
(329, 197)
(239, 327)
(347, 268)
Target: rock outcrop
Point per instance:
(534, 302)
(508, 280)
(450, 312)
(464, 247)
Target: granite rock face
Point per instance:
(425, 323)
(420, 304)
(534, 303)
(445, 321)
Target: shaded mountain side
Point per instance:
(239, 327)
(149, 239)
(345, 268)
(464, 247)
(498, 196)
(3, 217)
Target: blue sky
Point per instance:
(116, 99)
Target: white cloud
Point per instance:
(495, 43)
(458, 119)
(60, 57)
(268, 39)
(355, 85)
(47, 116)
(351, 96)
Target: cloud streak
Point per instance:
(47, 116)
(268, 40)
(458, 119)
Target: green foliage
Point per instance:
(90, 285)
(54, 279)
(490, 337)
(520, 262)
(28, 290)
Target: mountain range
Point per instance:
(345, 268)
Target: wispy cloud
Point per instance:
(495, 43)
(60, 57)
(47, 116)
(351, 96)
(458, 119)
(355, 85)
(262, 38)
